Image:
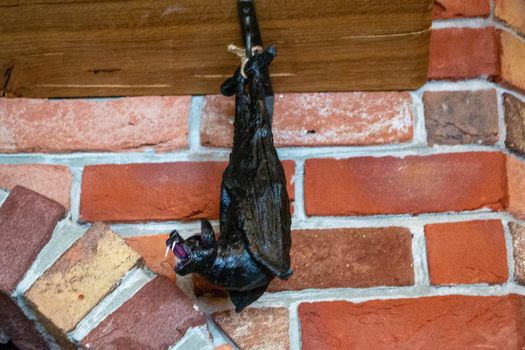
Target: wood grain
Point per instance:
(68, 48)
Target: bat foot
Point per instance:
(241, 299)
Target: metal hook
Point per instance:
(249, 26)
(252, 41)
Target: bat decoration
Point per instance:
(254, 243)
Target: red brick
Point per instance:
(256, 328)
(461, 117)
(157, 191)
(121, 124)
(512, 51)
(461, 53)
(516, 187)
(410, 185)
(466, 252)
(18, 327)
(444, 9)
(445, 322)
(52, 181)
(511, 12)
(349, 258)
(153, 250)
(154, 318)
(27, 221)
(320, 119)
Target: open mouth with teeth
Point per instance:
(183, 253)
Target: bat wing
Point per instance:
(266, 218)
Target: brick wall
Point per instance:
(408, 206)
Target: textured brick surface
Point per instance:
(460, 8)
(466, 252)
(153, 250)
(414, 184)
(27, 221)
(448, 322)
(461, 117)
(93, 125)
(82, 277)
(349, 258)
(460, 53)
(18, 327)
(153, 319)
(516, 187)
(518, 245)
(257, 328)
(515, 123)
(320, 119)
(511, 12)
(139, 192)
(512, 51)
(52, 181)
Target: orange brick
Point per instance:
(461, 53)
(444, 9)
(153, 250)
(52, 181)
(320, 119)
(444, 322)
(121, 124)
(410, 185)
(349, 258)
(466, 252)
(157, 191)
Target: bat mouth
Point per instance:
(182, 251)
(183, 254)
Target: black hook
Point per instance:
(252, 38)
(249, 26)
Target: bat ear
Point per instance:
(207, 234)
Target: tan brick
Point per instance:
(512, 53)
(511, 12)
(518, 247)
(52, 181)
(83, 276)
(257, 328)
(516, 187)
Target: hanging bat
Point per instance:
(254, 243)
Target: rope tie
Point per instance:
(241, 53)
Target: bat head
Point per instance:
(193, 254)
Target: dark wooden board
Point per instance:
(69, 48)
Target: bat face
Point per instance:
(192, 254)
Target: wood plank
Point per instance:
(68, 48)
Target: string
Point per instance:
(241, 53)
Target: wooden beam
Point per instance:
(68, 48)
